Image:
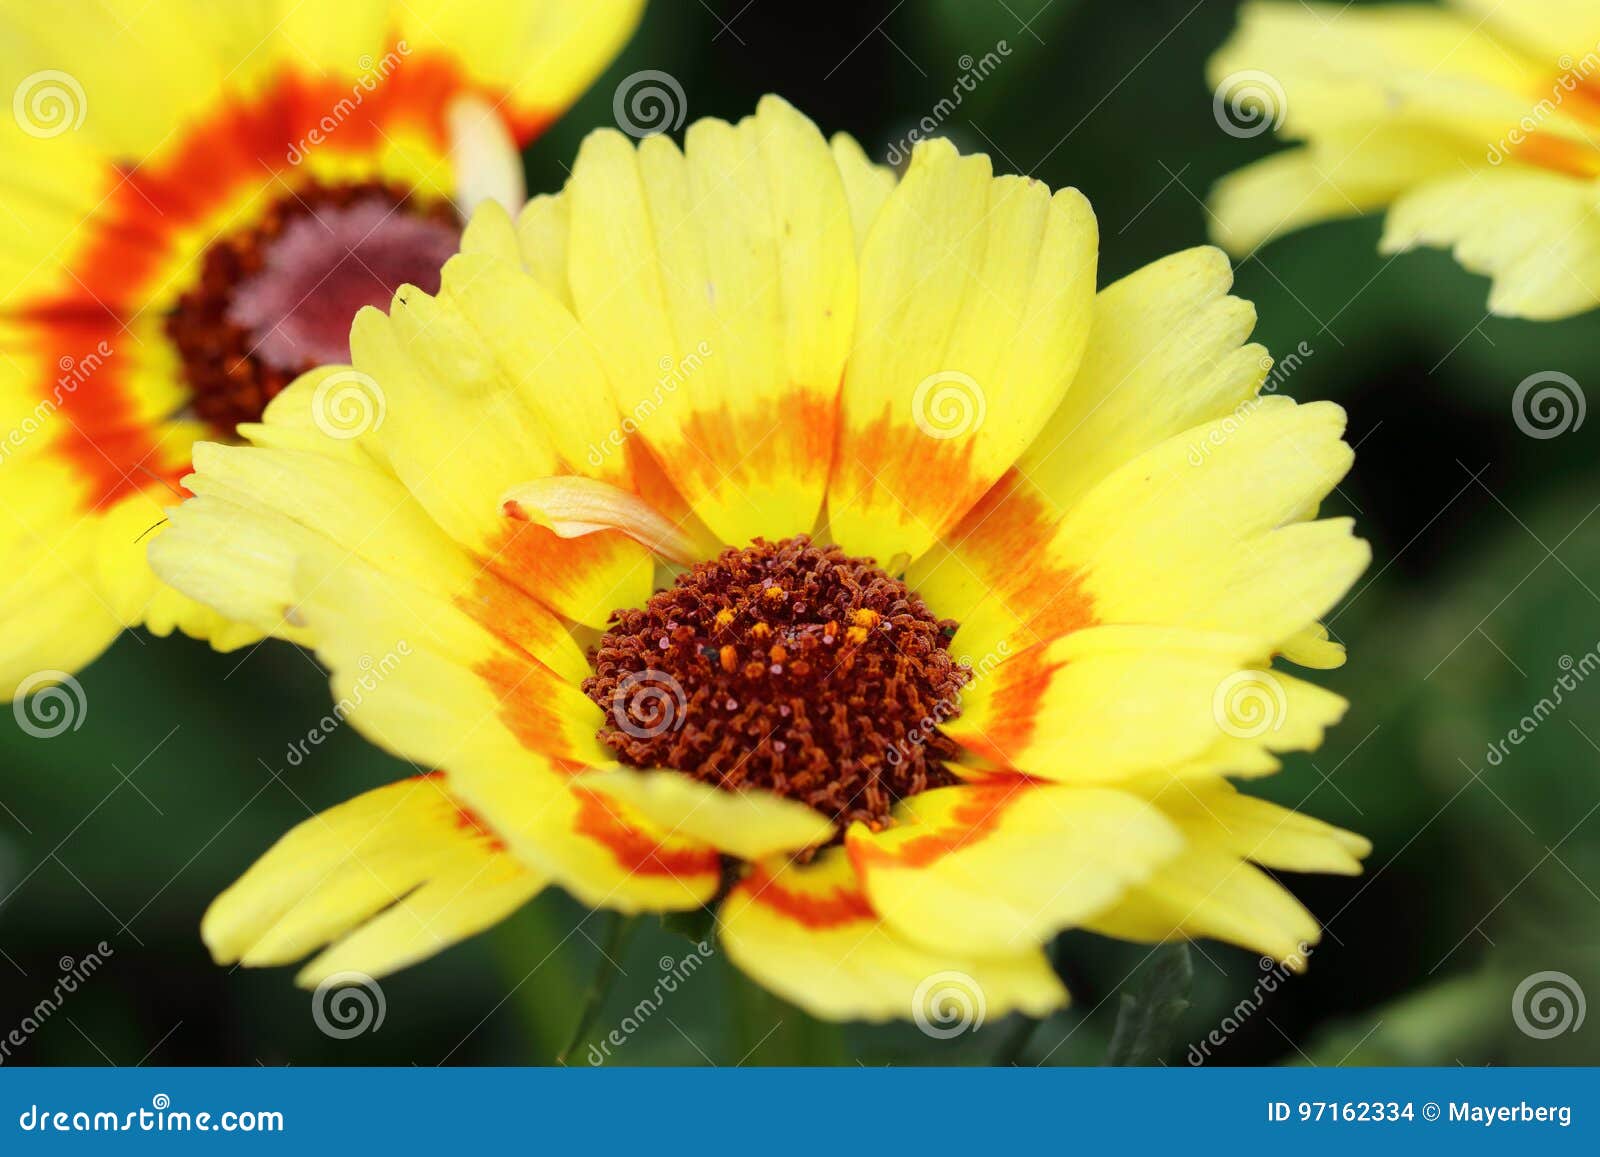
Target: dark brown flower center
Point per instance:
(789, 667)
(276, 299)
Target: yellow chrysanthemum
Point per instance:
(1477, 124)
(194, 200)
(763, 363)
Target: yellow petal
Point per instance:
(542, 53)
(398, 873)
(1212, 811)
(574, 506)
(809, 935)
(469, 410)
(995, 869)
(1204, 530)
(259, 514)
(1167, 353)
(487, 162)
(975, 307)
(1545, 28)
(1259, 713)
(53, 616)
(605, 852)
(1342, 173)
(866, 185)
(435, 687)
(425, 676)
(1205, 892)
(1312, 647)
(1101, 704)
(132, 590)
(1327, 67)
(751, 825)
(1534, 233)
(543, 231)
(719, 285)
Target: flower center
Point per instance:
(788, 667)
(277, 299)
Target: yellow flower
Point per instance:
(1476, 123)
(763, 363)
(195, 197)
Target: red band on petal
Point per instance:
(636, 852)
(815, 910)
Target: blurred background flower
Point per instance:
(1471, 755)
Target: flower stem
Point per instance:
(1011, 1049)
(605, 974)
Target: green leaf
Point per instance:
(607, 968)
(696, 924)
(1147, 1020)
(771, 1031)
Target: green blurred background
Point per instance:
(1486, 564)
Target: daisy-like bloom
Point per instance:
(750, 530)
(1476, 123)
(195, 199)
